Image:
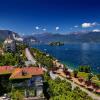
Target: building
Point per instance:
(9, 45)
(28, 78)
(6, 70)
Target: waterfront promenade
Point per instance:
(29, 56)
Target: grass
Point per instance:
(83, 75)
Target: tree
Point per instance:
(98, 76)
(86, 69)
(17, 95)
(89, 77)
(75, 72)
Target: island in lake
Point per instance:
(57, 43)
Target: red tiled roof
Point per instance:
(33, 70)
(6, 69)
(17, 74)
(27, 71)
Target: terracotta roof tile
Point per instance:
(26, 72)
(33, 70)
(6, 69)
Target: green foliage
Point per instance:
(59, 87)
(80, 95)
(62, 90)
(89, 77)
(17, 58)
(75, 72)
(42, 58)
(8, 59)
(98, 76)
(17, 95)
(86, 69)
(46, 76)
(20, 47)
(83, 75)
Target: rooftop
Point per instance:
(17, 73)
(6, 70)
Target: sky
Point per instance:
(57, 16)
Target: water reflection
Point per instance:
(85, 46)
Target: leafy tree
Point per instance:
(98, 76)
(42, 58)
(62, 90)
(89, 77)
(17, 95)
(86, 69)
(75, 72)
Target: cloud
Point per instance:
(96, 30)
(37, 28)
(87, 25)
(76, 26)
(57, 28)
(44, 29)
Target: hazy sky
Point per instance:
(60, 16)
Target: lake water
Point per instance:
(75, 55)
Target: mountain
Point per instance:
(13, 35)
(6, 33)
(49, 37)
(29, 39)
(74, 37)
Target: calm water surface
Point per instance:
(75, 54)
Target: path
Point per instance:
(29, 56)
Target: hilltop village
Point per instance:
(29, 74)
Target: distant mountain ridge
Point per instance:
(6, 33)
(30, 39)
(13, 35)
(74, 37)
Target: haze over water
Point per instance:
(75, 54)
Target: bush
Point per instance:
(17, 95)
(86, 69)
(75, 72)
(98, 76)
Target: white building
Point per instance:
(9, 45)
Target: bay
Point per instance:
(74, 55)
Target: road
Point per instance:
(29, 56)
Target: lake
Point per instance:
(75, 55)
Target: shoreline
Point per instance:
(70, 66)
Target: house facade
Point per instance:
(29, 79)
